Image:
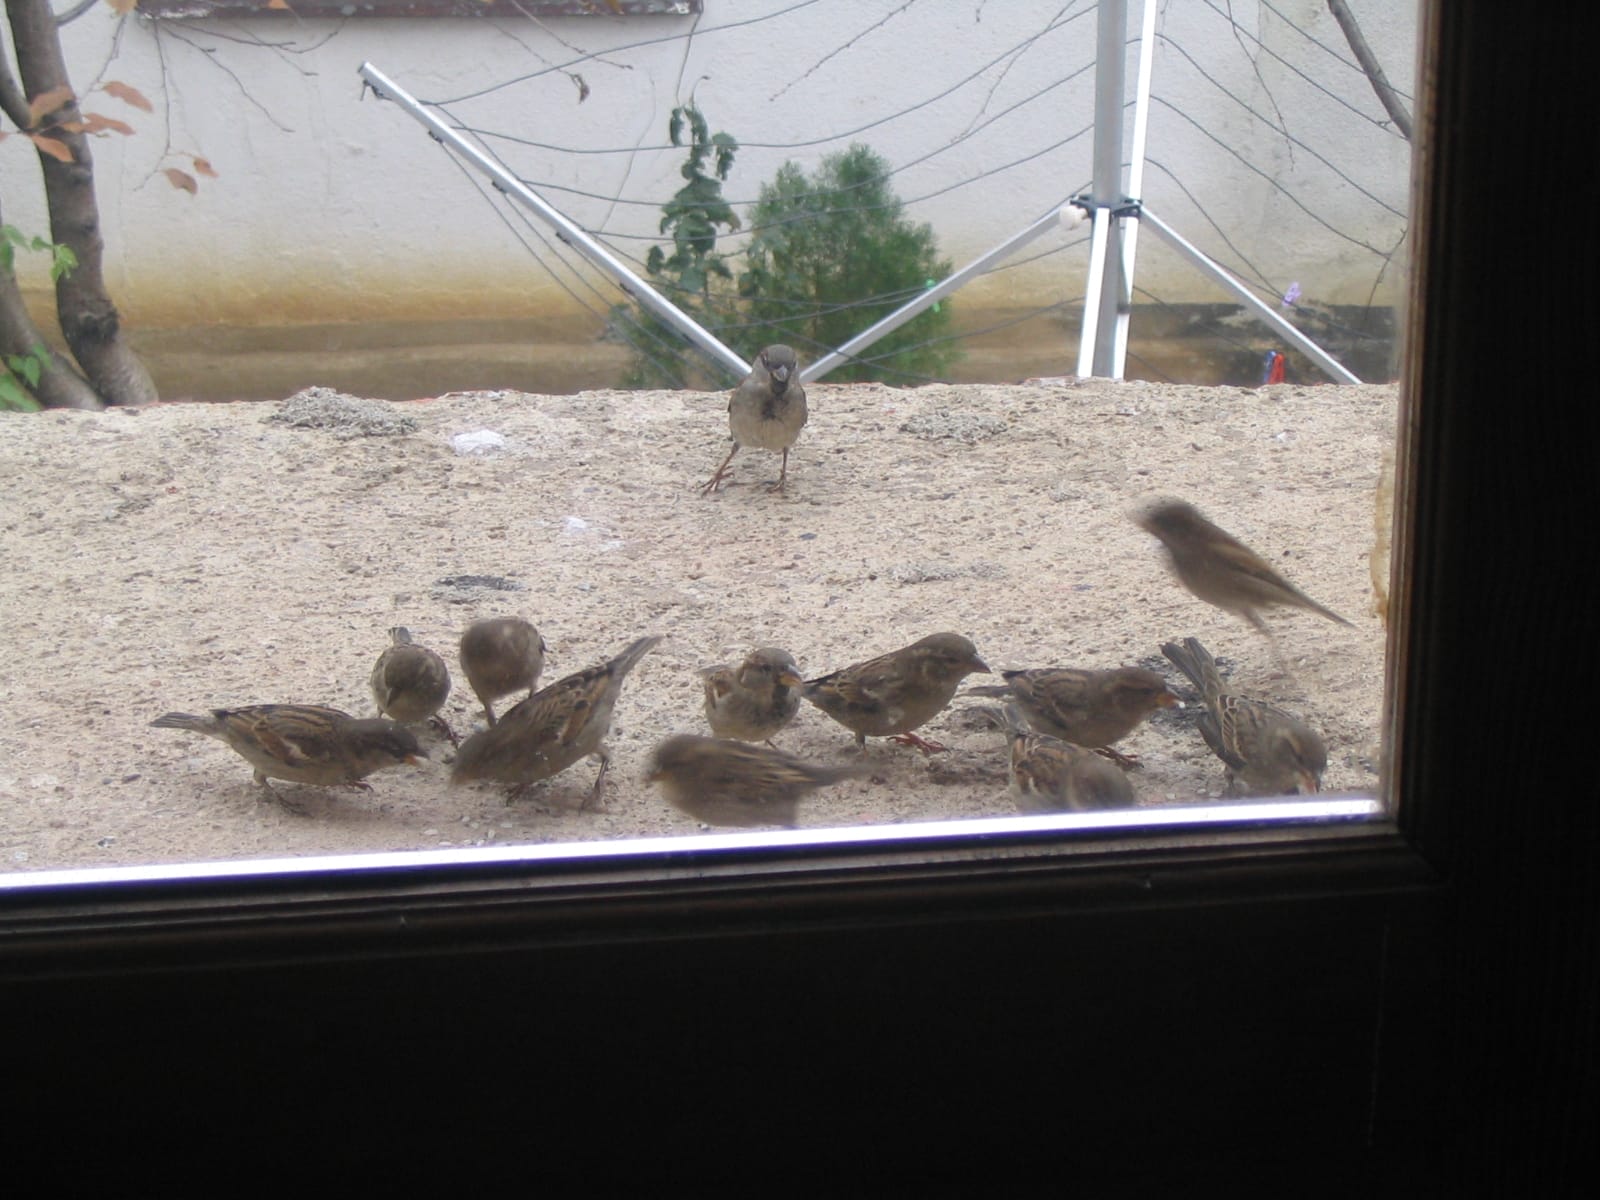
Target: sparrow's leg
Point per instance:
(443, 727)
(1127, 762)
(927, 747)
(719, 474)
(599, 780)
(783, 474)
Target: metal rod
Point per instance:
(933, 295)
(1216, 272)
(1105, 294)
(1099, 242)
(1130, 224)
(566, 230)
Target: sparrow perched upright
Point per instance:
(1220, 569)
(410, 683)
(1265, 749)
(754, 700)
(304, 743)
(551, 729)
(723, 782)
(1086, 708)
(1051, 775)
(501, 655)
(893, 694)
(767, 410)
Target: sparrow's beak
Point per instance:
(790, 679)
(1168, 700)
(980, 666)
(780, 378)
(1308, 784)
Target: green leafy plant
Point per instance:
(19, 373)
(695, 217)
(833, 252)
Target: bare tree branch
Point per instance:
(1369, 63)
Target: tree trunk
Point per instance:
(89, 320)
(59, 385)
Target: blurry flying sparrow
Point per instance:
(1221, 570)
(501, 655)
(411, 683)
(304, 743)
(1086, 708)
(722, 782)
(893, 694)
(1265, 749)
(1051, 775)
(551, 729)
(754, 700)
(767, 410)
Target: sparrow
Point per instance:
(304, 743)
(893, 694)
(767, 410)
(1052, 775)
(1086, 708)
(721, 782)
(754, 700)
(501, 655)
(551, 729)
(1265, 749)
(1221, 570)
(410, 683)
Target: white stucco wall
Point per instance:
(328, 206)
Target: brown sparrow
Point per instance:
(410, 682)
(501, 655)
(551, 729)
(1265, 749)
(754, 700)
(1052, 775)
(767, 410)
(893, 694)
(1221, 570)
(304, 743)
(727, 783)
(1086, 708)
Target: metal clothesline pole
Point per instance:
(565, 229)
(1067, 215)
(1103, 296)
(1130, 224)
(1216, 272)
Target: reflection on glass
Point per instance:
(971, 596)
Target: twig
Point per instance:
(1369, 63)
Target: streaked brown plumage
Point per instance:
(1266, 750)
(1220, 569)
(304, 743)
(723, 782)
(1048, 774)
(499, 656)
(410, 683)
(1084, 707)
(754, 700)
(767, 410)
(551, 729)
(895, 693)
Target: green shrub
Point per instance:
(830, 254)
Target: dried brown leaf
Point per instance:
(203, 165)
(128, 95)
(97, 122)
(122, 7)
(55, 149)
(181, 179)
(45, 103)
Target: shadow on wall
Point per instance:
(1212, 344)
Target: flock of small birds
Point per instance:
(1060, 723)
